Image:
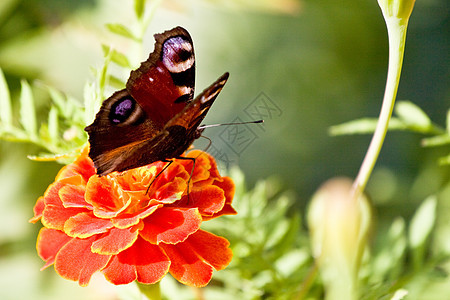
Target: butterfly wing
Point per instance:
(155, 117)
(164, 83)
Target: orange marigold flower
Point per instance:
(110, 224)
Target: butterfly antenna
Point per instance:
(225, 124)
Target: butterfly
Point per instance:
(156, 117)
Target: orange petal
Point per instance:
(85, 224)
(75, 261)
(171, 225)
(211, 248)
(73, 196)
(208, 200)
(115, 241)
(171, 191)
(101, 193)
(127, 220)
(186, 266)
(82, 166)
(38, 209)
(227, 186)
(49, 242)
(55, 214)
(143, 261)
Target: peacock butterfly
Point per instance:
(156, 116)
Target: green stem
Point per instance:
(397, 35)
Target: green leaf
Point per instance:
(422, 222)
(412, 115)
(444, 160)
(121, 30)
(116, 57)
(437, 140)
(53, 126)
(27, 111)
(116, 82)
(139, 6)
(363, 126)
(5, 103)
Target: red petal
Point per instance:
(128, 220)
(73, 196)
(186, 266)
(55, 214)
(82, 166)
(101, 193)
(171, 191)
(115, 241)
(49, 242)
(227, 186)
(85, 225)
(143, 261)
(171, 225)
(38, 209)
(75, 261)
(208, 200)
(211, 248)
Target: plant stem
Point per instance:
(396, 28)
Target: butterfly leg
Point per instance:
(192, 172)
(160, 172)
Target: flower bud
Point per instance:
(339, 225)
(400, 9)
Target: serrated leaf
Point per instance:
(57, 98)
(116, 82)
(437, 140)
(363, 126)
(27, 111)
(121, 30)
(422, 222)
(53, 126)
(5, 103)
(412, 115)
(139, 6)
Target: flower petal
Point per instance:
(49, 242)
(127, 220)
(82, 166)
(186, 266)
(85, 224)
(209, 200)
(55, 214)
(38, 209)
(105, 197)
(75, 260)
(143, 261)
(171, 225)
(211, 248)
(227, 186)
(73, 196)
(115, 241)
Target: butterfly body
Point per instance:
(156, 117)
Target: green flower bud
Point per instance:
(400, 9)
(339, 226)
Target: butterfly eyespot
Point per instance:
(125, 111)
(177, 54)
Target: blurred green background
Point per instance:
(303, 65)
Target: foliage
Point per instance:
(409, 117)
(272, 257)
